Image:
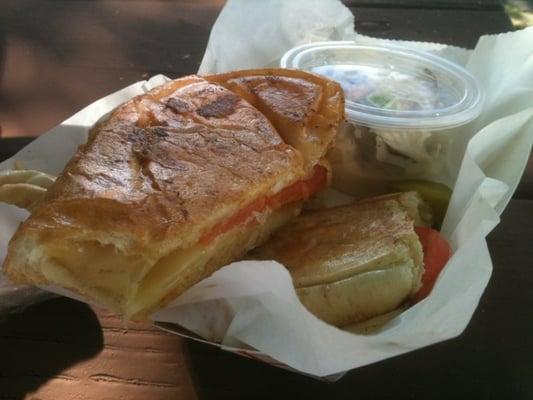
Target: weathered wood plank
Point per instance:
(442, 25)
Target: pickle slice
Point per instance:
(435, 194)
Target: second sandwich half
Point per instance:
(178, 182)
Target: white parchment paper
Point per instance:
(252, 305)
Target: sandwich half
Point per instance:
(355, 262)
(172, 185)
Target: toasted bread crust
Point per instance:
(152, 170)
(154, 175)
(354, 262)
(303, 107)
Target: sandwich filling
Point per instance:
(300, 190)
(255, 221)
(142, 293)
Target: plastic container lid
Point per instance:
(392, 86)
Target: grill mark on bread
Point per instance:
(160, 132)
(145, 139)
(220, 107)
(142, 143)
(178, 105)
(190, 157)
(217, 148)
(269, 90)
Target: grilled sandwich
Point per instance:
(355, 262)
(176, 183)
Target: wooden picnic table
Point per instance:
(56, 57)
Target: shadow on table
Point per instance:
(42, 341)
(3, 46)
(444, 371)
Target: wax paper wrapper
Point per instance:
(251, 307)
(14, 297)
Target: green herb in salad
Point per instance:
(381, 100)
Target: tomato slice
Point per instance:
(300, 190)
(236, 219)
(297, 191)
(292, 193)
(437, 252)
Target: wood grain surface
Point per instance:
(57, 56)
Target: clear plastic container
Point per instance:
(401, 105)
